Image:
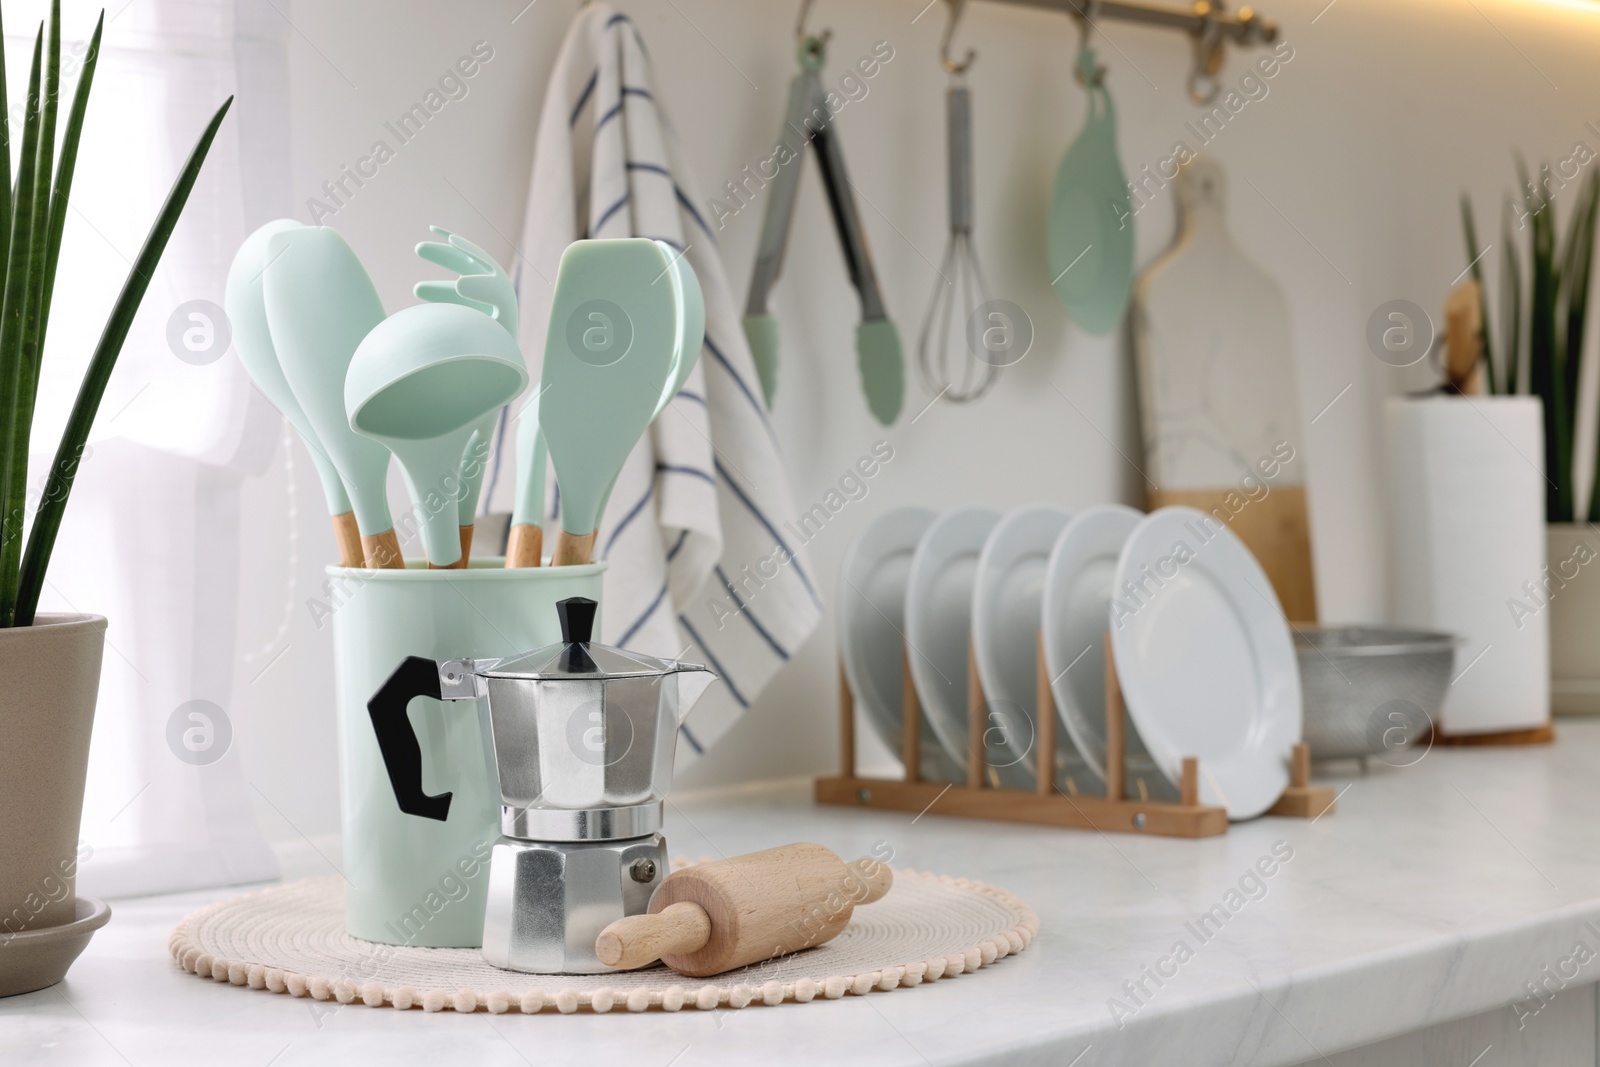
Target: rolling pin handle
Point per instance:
(875, 876)
(639, 940)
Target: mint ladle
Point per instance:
(421, 383)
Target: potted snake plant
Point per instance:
(50, 662)
(1550, 328)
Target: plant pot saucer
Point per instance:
(35, 959)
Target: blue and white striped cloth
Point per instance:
(702, 565)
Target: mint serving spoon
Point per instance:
(320, 304)
(246, 305)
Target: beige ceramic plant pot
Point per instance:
(1572, 593)
(52, 676)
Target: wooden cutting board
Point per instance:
(1221, 414)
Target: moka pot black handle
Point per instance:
(397, 741)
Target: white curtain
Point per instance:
(151, 536)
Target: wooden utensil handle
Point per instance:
(639, 940)
(574, 549)
(382, 551)
(347, 536)
(524, 545)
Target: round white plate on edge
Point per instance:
(872, 607)
(939, 619)
(1205, 659)
(1074, 615)
(1005, 634)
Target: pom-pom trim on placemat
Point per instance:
(285, 926)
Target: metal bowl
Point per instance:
(1368, 690)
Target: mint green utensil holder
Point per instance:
(413, 881)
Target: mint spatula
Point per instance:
(525, 541)
(610, 356)
(1090, 237)
(878, 350)
(252, 339)
(320, 304)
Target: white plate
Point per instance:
(1077, 598)
(1205, 659)
(939, 619)
(1005, 634)
(872, 602)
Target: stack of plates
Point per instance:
(1200, 645)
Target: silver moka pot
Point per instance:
(579, 740)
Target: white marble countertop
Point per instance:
(1435, 892)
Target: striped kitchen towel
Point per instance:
(702, 566)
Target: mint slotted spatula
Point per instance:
(1090, 236)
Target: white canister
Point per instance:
(411, 881)
(1467, 546)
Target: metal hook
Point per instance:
(800, 31)
(1210, 50)
(950, 65)
(813, 48)
(1081, 70)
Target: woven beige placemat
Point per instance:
(291, 939)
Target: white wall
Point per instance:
(1387, 109)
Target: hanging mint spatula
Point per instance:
(878, 352)
(760, 328)
(1090, 236)
(320, 304)
(609, 358)
(252, 339)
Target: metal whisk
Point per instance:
(952, 358)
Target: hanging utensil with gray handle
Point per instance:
(760, 328)
(877, 340)
(951, 366)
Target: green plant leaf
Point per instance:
(5, 158)
(1475, 265)
(64, 468)
(32, 326)
(1571, 297)
(13, 319)
(1510, 301)
(1544, 372)
(66, 165)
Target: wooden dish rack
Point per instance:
(1045, 804)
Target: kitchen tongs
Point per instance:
(808, 120)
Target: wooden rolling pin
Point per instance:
(716, 917)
